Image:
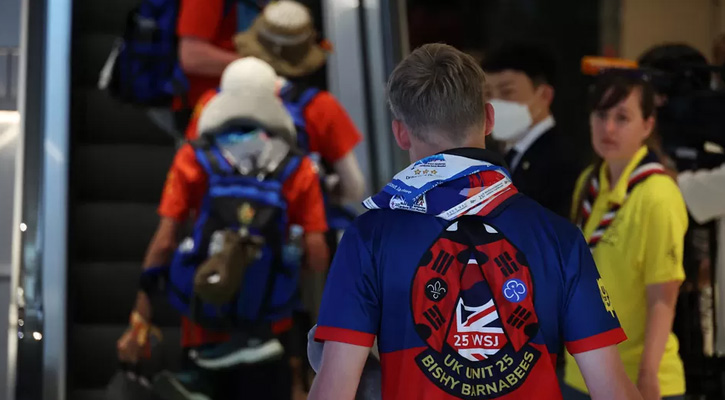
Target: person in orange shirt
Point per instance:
(186, 187)
(206, 29)
(324, 127)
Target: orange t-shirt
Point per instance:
(332, 134)
(192, 130)
(186, 184)
(213, 21)
(183, 193)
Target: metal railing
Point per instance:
(9, 72)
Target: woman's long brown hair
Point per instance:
(610, 89)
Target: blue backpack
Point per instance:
(269, 290)
(144, 68)
(296, 99)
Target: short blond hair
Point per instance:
(438, 88)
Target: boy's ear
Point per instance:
(402, 135)
(490, 119)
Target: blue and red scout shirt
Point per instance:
(468, 285)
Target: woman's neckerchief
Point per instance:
(649, 166)
(447, 186)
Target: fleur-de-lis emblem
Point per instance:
(425, 172)
(436, 289)
(246, 213)
(417, 172)
(434, 172)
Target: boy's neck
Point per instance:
(422, 150)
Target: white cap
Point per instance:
(249, 74)
(248, 95)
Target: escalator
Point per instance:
(118, 164)
(116, 160)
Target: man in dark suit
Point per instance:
(543, 164)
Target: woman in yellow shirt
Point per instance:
(634, 218)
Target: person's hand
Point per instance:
(129, 350)
(333, 188)
(317, 252)
(649, 386)
(135, 343)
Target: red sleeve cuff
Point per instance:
(349, 336)
(345, 146)
(604, 339)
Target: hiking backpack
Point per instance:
(296, 98)
(143, 67)
(268, 290)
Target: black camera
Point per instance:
(691, 120)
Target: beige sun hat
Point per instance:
(284, 36)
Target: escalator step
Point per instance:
(104, 293)
(99, 118)
(112, 288)
(112, 231)
(93, 359)
(98, 394)
(120, 172)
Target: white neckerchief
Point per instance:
(431, 171)
(534, 133)
(412, 188)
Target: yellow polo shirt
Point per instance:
(642, 246)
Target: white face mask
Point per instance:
(512, 119)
